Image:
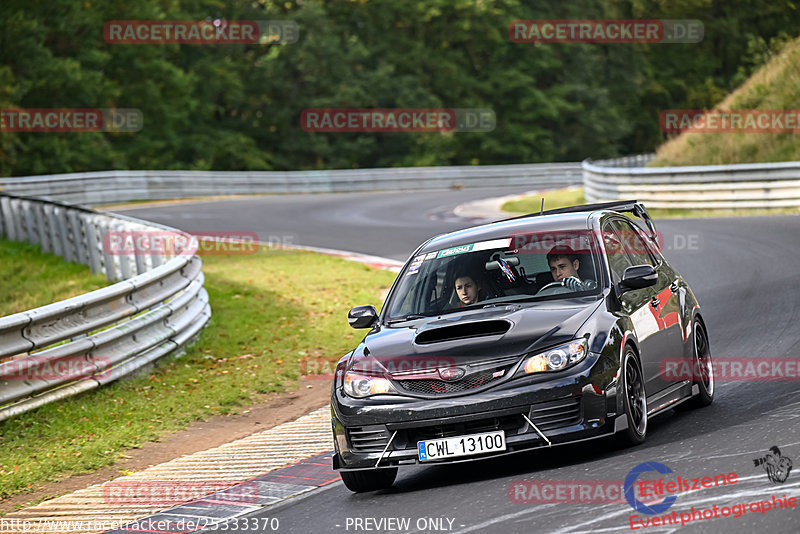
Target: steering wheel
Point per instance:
(553, 288)
(551, 284)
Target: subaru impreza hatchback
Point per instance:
(531, 332)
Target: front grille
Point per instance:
(511, 424)
(368, 438)
(556, 414)
(440, 387)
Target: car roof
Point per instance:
(509, 227)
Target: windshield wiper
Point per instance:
(410, 317)
(510, 299)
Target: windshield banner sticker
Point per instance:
(472, 247)
(455, 250)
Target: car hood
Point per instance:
(471, 336)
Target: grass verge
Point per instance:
(271, 310)
(31, 278)
(562, 198)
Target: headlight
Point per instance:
(360, 386)
(557, 358)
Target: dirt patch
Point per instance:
(199, 436)
(170, 202)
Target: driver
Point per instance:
(564, 265)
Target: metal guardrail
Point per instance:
(74, 345)
(106, 187)
(738, 186)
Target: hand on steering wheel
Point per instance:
(572, 283)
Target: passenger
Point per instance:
(467, 289)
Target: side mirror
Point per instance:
(362, 316)
(638, 276)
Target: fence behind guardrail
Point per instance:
(739, 186)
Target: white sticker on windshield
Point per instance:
(470, 247)
(494, 243)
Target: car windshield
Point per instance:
(514, 269)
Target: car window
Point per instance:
(618, 259)
(633, 243)
(495, 271)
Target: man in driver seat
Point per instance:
(564, 265)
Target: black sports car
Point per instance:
(535, 331)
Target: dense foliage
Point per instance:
(235, 107)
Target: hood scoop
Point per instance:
(462, 331)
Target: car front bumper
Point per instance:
(573, 405)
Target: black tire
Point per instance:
(369, 479)
(702, 367)
(634, 400)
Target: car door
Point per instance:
(634, 303)
(667, 341)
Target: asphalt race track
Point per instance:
(383, 224)
(744, 272)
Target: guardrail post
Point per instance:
(92, 247)
(124, 259)
(19, 226)
(41, 227)
(140, 257)
(2, 219)
(109, 260)
(52, 226)
(8, 218)
(63, 233)
(156, 259)
(78, 237)
(30, 222)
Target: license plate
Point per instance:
(437, 449)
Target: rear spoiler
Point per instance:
(625, 206)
